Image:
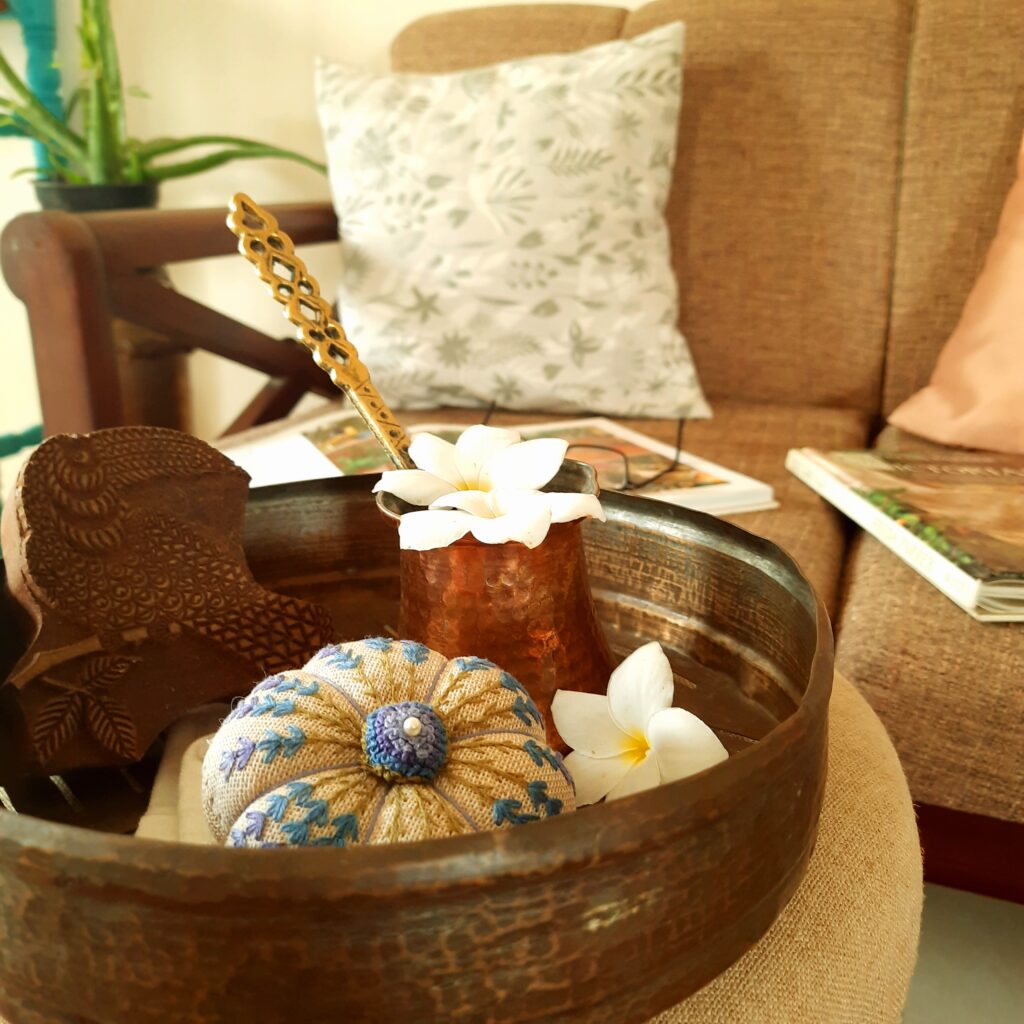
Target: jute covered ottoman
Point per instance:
(842, 951)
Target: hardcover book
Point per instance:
(956, 517)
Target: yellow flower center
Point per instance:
(639, 747)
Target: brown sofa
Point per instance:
(841, 168)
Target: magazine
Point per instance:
(339, 444)
(956, 517)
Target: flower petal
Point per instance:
(479, 443)
(437, 456)
(683, 744)
(528, 522)
(566, 506)
(528, 465)
(476, 503)
(641, 685)
(594, 777)
(643, 775)
(585, 723)
(413, 485)
(432, 528)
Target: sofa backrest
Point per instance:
(965, 116)
(785, 184)
(791, 178)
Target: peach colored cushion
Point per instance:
(976, 395)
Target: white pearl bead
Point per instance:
(412, 726)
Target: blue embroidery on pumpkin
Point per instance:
(257, 821)
(473, 664)
(299, 687)
(316, 813)
(527, 712)
(378, 643)
(346, 829)
(539, 754)
(271, 846)
(277, 804)
(238, 757)
(270, 683)
(414, 652)
(338, 658)
(538, 792)
(511, 811)
(235, 838)
(509, 682)
(273, 743)
(276, 708)
(300, 792)
(297, 832)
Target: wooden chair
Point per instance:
(78, 274)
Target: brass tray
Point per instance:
(607, 915)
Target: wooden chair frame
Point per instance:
(76, 273)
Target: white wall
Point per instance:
(241, 67)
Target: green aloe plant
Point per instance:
(102, 152)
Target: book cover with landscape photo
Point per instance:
(968, 506)
(955, 517)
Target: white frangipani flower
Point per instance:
(632, 739)
(487, 484)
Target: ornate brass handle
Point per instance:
(262, 242)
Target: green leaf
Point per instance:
(38, 123)
(546, 308)
(206, 163)
(457, 217)
(437, 181)
(577, 161)
(552, 370)
(531, 240)
(138, 92)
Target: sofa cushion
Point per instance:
(949, 689)
(785, 177)
(752, 439)
(965, 111)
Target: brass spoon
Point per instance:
(272, 253)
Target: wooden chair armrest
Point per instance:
(76, 272)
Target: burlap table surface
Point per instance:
(841, 952)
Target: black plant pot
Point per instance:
(59, 195)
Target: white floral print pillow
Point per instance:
(503, 230)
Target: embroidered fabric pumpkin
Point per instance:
(381, 741)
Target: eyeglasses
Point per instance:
(615, 473)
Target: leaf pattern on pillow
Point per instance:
(503, 234)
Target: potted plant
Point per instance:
(98, 165)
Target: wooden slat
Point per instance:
(137, 239)
(275, 399)
(143, 301)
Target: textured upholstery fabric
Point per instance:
(843, 950)
(950, 690)
(752, 439)
(785, 179)
(486, 35)
(965, 113)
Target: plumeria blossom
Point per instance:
(487, 484)
(632, 739)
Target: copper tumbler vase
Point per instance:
(529, 610)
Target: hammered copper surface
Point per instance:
(605, 916)
(529, 610)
